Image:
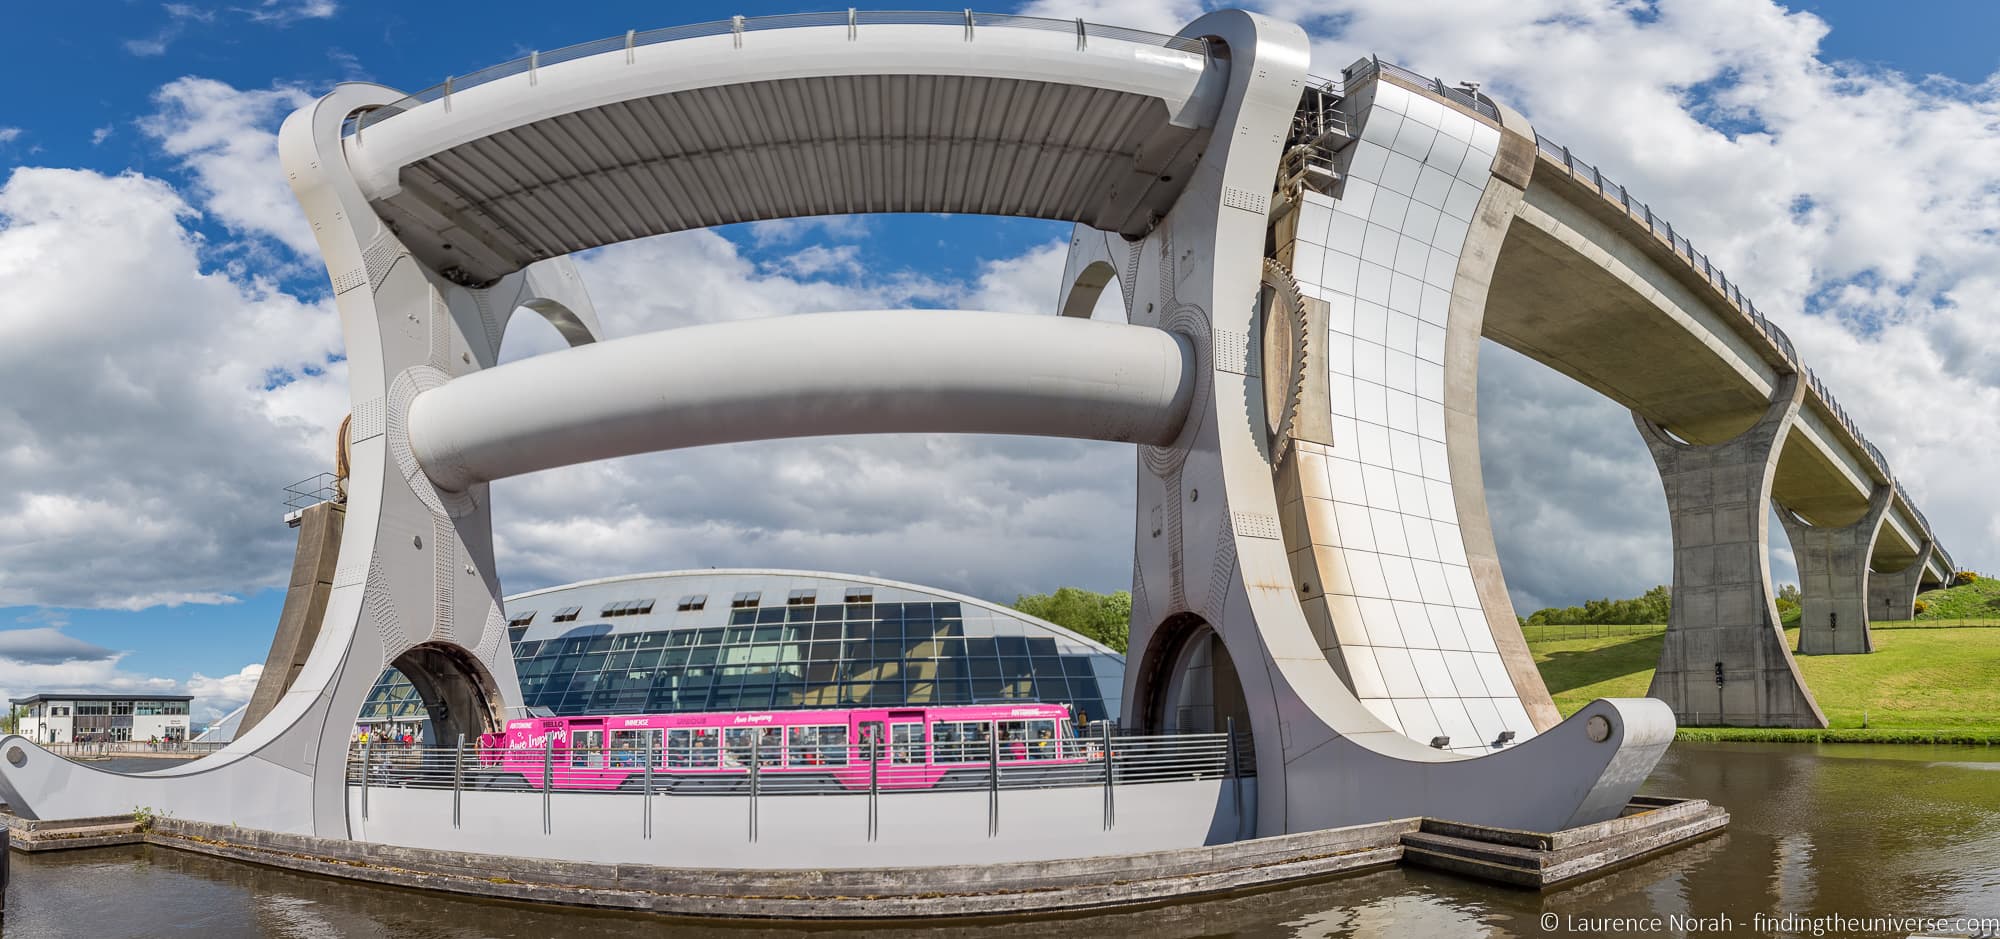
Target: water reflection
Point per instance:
(1815, 830)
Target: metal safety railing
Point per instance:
(88, 749)
(1101, 759)
(1373, 66)
(1732, 292)
(312, 491)
(853, 21)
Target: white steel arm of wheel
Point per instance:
(889, 371)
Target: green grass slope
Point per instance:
(1979, 600)
(1924, 682)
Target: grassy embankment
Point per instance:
(1930, 680)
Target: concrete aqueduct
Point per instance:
(1307, 268)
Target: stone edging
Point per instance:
(1518, 858)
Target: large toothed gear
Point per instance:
(1283, 353)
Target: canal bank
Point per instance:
(1814, 831)
(1531, 860)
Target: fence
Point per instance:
(108, 748)
(1556, 633)
(1103, 759)
(852, 21)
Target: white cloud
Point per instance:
(216, 697)
(285, 12)
(101, 134)
(138, 418)
(226, 139)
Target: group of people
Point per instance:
(380, 739)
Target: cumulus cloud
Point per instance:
(145, 402)
(216, 697)
(226, 139)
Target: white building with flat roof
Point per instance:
(103, 718)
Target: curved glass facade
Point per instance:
(760, 640)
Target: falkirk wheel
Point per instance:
(1365, 645)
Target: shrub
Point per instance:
(1962, 578)
(1921, 607)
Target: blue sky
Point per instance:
(98, 69)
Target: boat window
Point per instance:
(818, 745)
(906, 744)
(692, 748)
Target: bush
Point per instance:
(1962, 578)
(1921, 607)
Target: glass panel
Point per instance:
(824, 745)
(906, 743)
(1013, 740)
(1041, 740)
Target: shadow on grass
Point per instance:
(1566, 670)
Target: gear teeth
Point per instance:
(1292, 302)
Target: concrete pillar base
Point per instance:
(313, 565)
(1833, 579)
(1893, 595)
(1724, 661)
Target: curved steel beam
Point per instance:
(892, 371)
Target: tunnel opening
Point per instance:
(434, 693)
(1189, 684)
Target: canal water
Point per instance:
(1816, 831)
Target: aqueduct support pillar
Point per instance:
(1724, 660)
(1893, 596)
(1833, 578)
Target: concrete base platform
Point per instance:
(1517, 858)
(1539, 860)
(33, 835)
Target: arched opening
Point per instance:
(1188, 683)
(456, 694)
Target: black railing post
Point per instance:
(1235, 774)
(457, 781)
(1110, 804)
(874, 784)
(755, 758)
(992, 784)
(364, 781)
